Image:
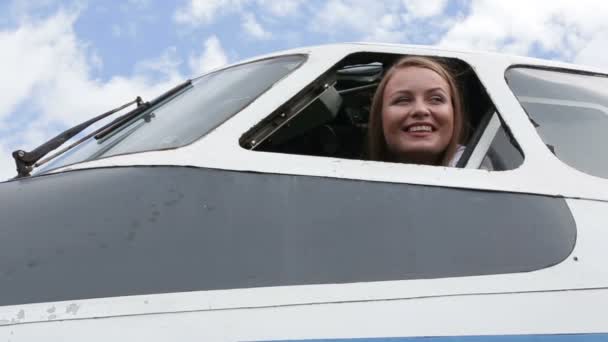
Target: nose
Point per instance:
(420, 109)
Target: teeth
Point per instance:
(421, 128)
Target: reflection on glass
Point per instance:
(570, 112)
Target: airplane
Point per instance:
(238, 207)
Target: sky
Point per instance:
(63, 62)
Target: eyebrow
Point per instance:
(435, 89)
(401, 91)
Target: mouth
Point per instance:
(419, 128)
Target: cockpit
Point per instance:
(330, 117)
(327, 118)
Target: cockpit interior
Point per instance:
(330, 117)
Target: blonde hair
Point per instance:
(376, 143)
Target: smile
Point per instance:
(422, 128)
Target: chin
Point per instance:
(430, 150)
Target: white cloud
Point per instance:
(367, 20)
(33, 53)
(253, 28)
(166, 66)
(339, 13)
(559, 27)
(202, 12)
(594, 52)
(281, 8)
(388, 29)
(49, 70)
(424, 8)
(212, 57)
(255, 15)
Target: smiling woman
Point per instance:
(416, 115)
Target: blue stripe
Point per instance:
(489, 338)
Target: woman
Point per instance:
(417, 115)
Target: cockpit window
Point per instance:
(570, 113)
(192, 113)
(331, 117)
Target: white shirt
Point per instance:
(486, 163)
(457, 155)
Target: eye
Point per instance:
(437, 99)
(401, 100)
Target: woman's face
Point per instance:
(417, 115)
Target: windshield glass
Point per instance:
(189, 115)
(570, 112)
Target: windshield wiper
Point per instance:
(26, 161)
(121, 120)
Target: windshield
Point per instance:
(189, 115)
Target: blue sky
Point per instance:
(65, 61)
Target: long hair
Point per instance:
(376, 142)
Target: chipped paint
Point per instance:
(72, 309)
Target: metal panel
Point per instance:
(141, 230)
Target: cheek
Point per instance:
(388, 121)
(447, 121)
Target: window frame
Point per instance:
(320, 61)
(483, 144)
(474, 159)
(530, 177)
(558, 164)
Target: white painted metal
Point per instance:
(563, 298)
(220, 148)
(484, 143)
(530, 313)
